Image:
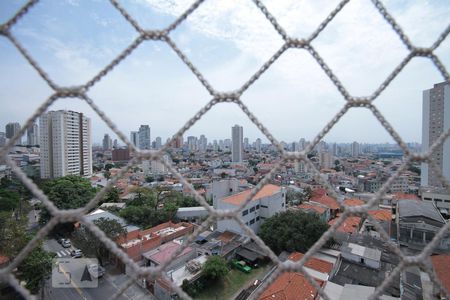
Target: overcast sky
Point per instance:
(228, 41)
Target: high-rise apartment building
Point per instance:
(144, 137)
(2, 139)
(66, 144)
(258, 145)
(355, 149)
(33, 134)
(435, 121)
(11, 129)
(134, 138)
(107, 142)
(237, 143)
(192, 143)
(158, 143)
(202, 143)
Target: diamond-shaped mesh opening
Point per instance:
(8, 30)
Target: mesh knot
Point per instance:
(422, 52)
(3, 29)
(154, 35)
(297, 43)
(227, 97)
(71, 92)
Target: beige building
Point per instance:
(66, 145)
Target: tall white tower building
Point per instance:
(237, 143)
(435, 121)
(66, 144)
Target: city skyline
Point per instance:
(293, 99)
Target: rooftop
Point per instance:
(266, 191)
(350, 224)
(326, 200)
(381, 214)
(165, 251)
(412, 208)
(290, 286)
(313, 263)
(312, 207)
(441, 265)
(353, 202)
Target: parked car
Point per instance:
(96, 270)
(66, 243)
(76, 253)
(241, 266)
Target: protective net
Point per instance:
(144, 35)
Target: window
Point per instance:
(282, 204)
(252, 221)
(257, 218)
(257, 206)
(245, 212)
(252, 209)
(264, 206)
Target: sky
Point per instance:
(228, 41)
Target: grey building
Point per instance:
(435, 121)
(144, 137)
(418, 222)
(11, 129)
(33, 134)
(237, 136)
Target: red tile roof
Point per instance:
(403, 196)
(319, 192)
(313, 263)
(350, 225)
(167, 250)
(441, 265)
(381, 214)
(307, 206)
(267, 190)
(290, 286)
(327, 201)
(353, 202)
(3, 259)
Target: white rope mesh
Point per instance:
(145, 35)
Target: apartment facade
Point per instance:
(11, 129)
(66, 144)
(33, 134)
(144, 137)
(237, 143)
(435, 121)
(270, 200)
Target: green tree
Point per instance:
(149, 179)
(215, 267)
(13, 238)
(107, 174)
(109, 166)
(35, 267)
(292, 231)
(90, 244)
(112, 195)
(9, 200)
(67, 193)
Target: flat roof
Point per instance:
(266, 191)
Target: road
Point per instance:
(106, 284)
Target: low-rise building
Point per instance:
(418, 222)
(270, 200)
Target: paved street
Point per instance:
(107, 285)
